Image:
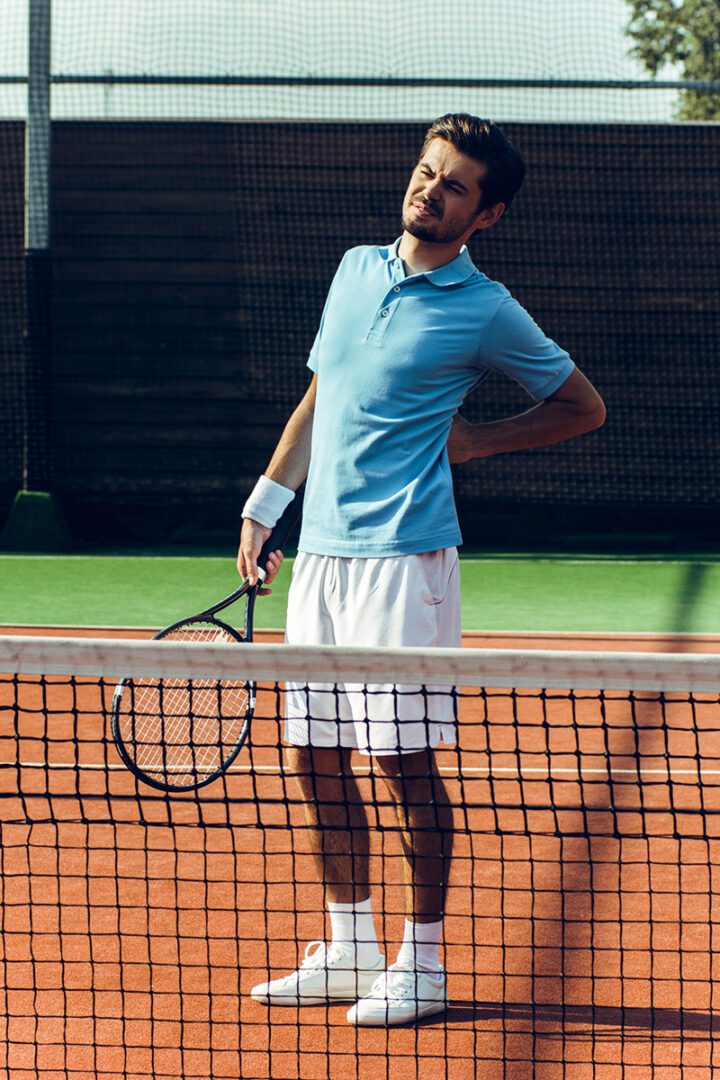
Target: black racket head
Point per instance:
(181, 734)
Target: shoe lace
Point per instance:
(396, 984)
(319, 955)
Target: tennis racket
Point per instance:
(181, 734)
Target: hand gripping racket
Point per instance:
(181, 734)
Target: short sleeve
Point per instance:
(514, 345)
(314, 354)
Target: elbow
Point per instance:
(598, 416)
(594, 413)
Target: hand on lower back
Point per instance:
(461, 444)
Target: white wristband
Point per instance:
(267, 502)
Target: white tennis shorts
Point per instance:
(411, 600)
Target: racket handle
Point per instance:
(283, 528)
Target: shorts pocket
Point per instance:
(436, 570)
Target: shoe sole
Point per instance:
(267, 1000)
(381, 1018)
(325, 999)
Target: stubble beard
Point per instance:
(437, 233)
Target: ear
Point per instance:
(489, 216)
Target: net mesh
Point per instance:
(581, 924)
(361, 60)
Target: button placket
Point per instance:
(384, 316)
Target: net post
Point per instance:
(36, 521)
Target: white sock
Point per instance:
(420, 950)
(353, 924)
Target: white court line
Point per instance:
(448, 770)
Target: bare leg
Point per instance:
(347, 967)
(336, 818)
(426, 829)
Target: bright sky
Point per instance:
(470, 38)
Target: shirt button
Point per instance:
(396, 289)
(384, 313)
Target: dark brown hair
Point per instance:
(484, 142)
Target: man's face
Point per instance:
(443, 196)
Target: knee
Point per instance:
(410, 779)
(400, 770)
(398, 785)
(387, 769)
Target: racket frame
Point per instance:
(241, 638)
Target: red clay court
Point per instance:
(581, 926)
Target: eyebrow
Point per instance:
(450, 179)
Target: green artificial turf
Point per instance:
(512, 593)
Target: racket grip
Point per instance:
(283, 528)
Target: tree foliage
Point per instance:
(685, 32)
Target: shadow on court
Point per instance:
(657, 890)
(682, 618)
(585, 1020)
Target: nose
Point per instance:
(432, 188)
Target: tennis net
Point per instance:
(583, 905)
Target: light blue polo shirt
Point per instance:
(395, 356)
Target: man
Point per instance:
(407, 331)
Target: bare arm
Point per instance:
(572, 410)
(288, 466)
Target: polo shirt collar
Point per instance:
(451, 273)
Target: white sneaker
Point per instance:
(328, 973)
(400, 995)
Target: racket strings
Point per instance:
(176, 729)
(185, 717)
(184, 728)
